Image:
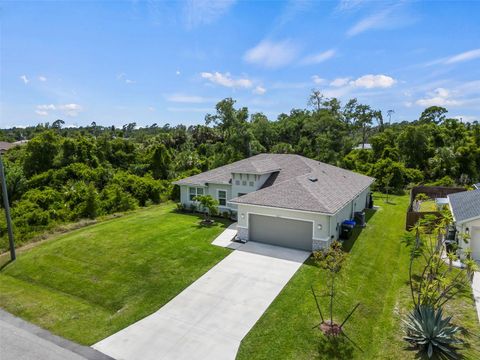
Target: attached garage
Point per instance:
(280, 231)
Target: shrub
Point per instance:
(433, 335)
(114, 199)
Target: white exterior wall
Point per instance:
(473, 225)
(258, 181)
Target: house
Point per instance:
(283, 199)
(476, 186)
(4, 146)
(465, 209)
(365, 146)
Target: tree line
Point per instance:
(65, 174)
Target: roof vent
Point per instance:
(313, 179)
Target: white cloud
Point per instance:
(24, 79)
(465, 56)
(123, 77)
(227, 80)
(70, 109)
(42, 78)
(200, 12)
(467, 118)
(67, 109)
(185, 109)
(182, 98)
(151, 109)
(177, 72)
(318, 58)
(438, 97)
(259, 90)
(392, 17)
(318, 80)
(374, 81)
(338, 82)
(272, 54)
(347, 5)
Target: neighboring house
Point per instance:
(4, 146)
(465, 208)
(476, 186)
(283, 199)
(365, 146)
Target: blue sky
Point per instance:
(116, 62)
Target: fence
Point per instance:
(432, 192)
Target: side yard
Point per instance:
(92, 282)
(375, 275)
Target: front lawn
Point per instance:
(376, 276)
(92, 282)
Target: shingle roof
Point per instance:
(465, 205)
(289, 186)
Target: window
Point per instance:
(222, 197)
(237, 182)
(241, 194)
(251, 183)
(194, 191)
(244, 182)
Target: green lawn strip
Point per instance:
(375, 275)
(128, 267)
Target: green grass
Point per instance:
(92, 282)
(428, 205)
(376, 276)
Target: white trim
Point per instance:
(282, 208)
(467, 220)
(257, 172)
(226, 197)
(281, 217)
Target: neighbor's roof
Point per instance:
(6, 145)
(289, 185)
(365, 146)
(465, 205)
(476, 186)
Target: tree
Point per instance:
(433, 114)
(40, 153)
(57, 124)
(209, 205)
(160, 162)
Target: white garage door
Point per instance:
(278, 231)
(475, 242)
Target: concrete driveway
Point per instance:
(210, 317)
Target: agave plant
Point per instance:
(432, 334)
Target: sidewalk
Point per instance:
(476, 291)
(22, 340)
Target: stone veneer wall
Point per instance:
(242, 233)
(319, 245)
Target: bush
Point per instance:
(432, 334)
(114, 199)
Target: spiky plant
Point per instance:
(432, 334)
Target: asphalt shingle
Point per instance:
(465, 205)
(290, 186)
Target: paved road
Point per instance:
(210, 317)
(20, 340)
